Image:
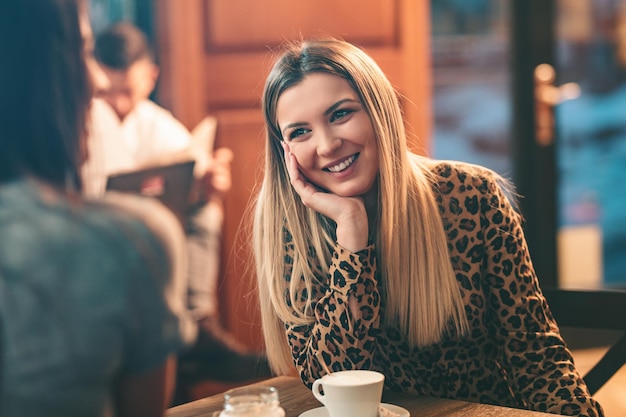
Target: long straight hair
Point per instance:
(45, 90)
(417, 279)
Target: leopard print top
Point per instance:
(513, 355)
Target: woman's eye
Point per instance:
(296, 133)
(340, 113)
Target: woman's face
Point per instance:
(331, 135)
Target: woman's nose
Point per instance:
(328, 142)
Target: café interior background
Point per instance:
(472, 104)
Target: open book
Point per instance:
(169, 183)
(171, 178)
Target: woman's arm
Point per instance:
(537, 364)
(346, 319)
(147, 394)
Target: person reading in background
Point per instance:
(91, 292)
(129, 131)
(372, 257)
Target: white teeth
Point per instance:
(342, 165)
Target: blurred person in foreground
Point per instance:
(128, 131)
(91, 293)
(391, 261)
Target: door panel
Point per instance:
(270, 21)
(214, 59)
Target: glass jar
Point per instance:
(254, 401)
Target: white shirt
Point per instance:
(148, 133)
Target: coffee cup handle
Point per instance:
(317, 384)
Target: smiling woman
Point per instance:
(390, 261)
(330, 135)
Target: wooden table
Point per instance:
(295, 398)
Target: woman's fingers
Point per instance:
(305, 189)
(289, 160)
(328, 204)
(348, 212)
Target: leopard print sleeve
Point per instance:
(535, 361)
(339, 335)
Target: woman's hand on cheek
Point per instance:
(348, 212)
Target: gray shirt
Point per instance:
(86, 295)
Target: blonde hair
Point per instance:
(418, 282)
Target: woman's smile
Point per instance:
(341, 166)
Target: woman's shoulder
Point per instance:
(457, 182)
(127, 219)
(52, 217)
(145, 212)
(455, 170)
(66, 232)
(464, 177)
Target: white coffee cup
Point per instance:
(350, 393)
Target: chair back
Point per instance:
(593, 309)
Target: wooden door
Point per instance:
(214, 56)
